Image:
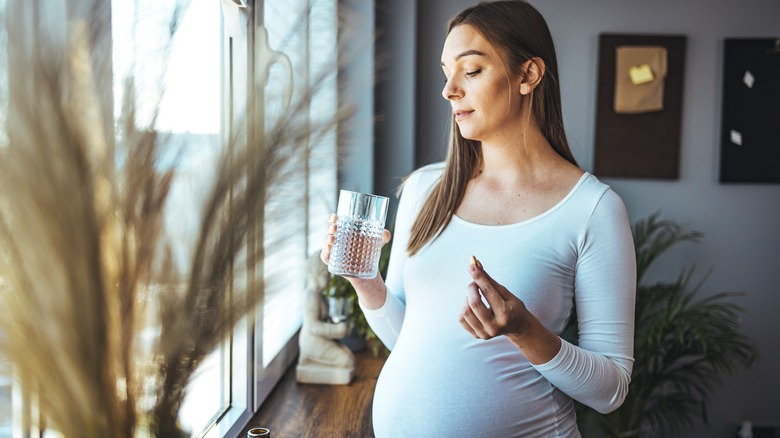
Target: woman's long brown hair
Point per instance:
(520, 32)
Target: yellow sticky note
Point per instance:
(640, 74)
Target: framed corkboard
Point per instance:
(643, 142)
(750, 138)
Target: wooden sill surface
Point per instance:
(305, 410)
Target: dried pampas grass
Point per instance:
(83, 254)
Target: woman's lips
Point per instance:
(462, 114)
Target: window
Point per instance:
(179, 79)
(310, 45)
(6, 384)
(207, 73)
(300, 45)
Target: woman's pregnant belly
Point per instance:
(444, 383)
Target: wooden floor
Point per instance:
(303, 410)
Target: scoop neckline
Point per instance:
(559, 204)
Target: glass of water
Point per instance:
(358, 238)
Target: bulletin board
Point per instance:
(750, 125)
(643, 141)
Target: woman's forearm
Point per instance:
(538, 344)
(371, 293)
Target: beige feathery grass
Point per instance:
(83, 253)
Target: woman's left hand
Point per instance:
(505, 315)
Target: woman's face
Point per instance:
(483, 96)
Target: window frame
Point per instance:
(260, 380)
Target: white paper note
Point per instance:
(736, 137)
(748, 79)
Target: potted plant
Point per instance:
(683, 346)
(339, 298)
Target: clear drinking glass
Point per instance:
(359, 228)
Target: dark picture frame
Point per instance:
(750, 112)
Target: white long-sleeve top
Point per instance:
(439, 381)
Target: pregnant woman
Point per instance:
(495, 249)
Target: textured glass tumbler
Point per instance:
(359, 228)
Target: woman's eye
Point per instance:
(471, 74)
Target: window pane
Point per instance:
(322, 62)
(285, 238)
(306, 33)
(179, 78)
(6, 410)
(3, 78)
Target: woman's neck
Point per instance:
(523, 154)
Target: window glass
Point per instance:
(3, 78)
(177, 80)
(6, 386)
(323, 165)
(179, 89)
(306, 33)
(6, 410)
(286, 25)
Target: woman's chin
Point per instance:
(468, 134)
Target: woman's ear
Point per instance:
(533, 71)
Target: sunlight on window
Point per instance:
(180, 79)
(179, 76)
(306, 33)
(287, 33)
(3, 85)
(6, 389)
(6, 385)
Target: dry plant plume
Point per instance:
(84, 257)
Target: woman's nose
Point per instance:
(451, 91)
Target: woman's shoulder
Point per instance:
(598, 198)
(430, 171)
(424, 177)
(601, 191)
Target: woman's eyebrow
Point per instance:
(467, 53)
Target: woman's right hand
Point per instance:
(330, 237)
(371, 291)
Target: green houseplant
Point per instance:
(683, 346)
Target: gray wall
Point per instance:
(741, 222)
(394, 96)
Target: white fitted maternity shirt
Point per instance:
(439, 381)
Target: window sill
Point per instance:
(304, 410)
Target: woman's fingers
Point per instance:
(327, 244)
(471, 322)
(476, 315)
(486, 285)
(503, 313)
(493, 291)
(465, 323)
(477, 304)
(330, 237)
